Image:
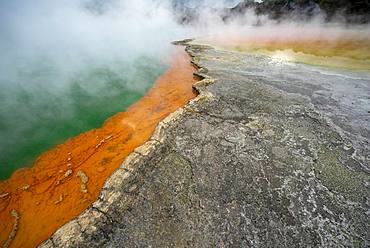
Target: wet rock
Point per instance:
(68, 173)
(59, 200)
(25, 187)
(13, 232)
(84, 180)
(4, 195)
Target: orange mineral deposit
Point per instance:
(64, 181)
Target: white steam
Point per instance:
(72, 34)
(50, 49)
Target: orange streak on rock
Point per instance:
(49, 194)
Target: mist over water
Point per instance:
(66, 66)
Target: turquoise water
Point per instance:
(43, 106)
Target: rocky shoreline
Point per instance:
(248, 162)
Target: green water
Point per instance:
(41, 109)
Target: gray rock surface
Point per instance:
(260, 158)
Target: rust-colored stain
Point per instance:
(65, 180)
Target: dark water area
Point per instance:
(42, 107)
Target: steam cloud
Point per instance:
(50, 49)
(65, 66)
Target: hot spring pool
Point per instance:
(42, 107)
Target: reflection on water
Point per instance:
(289, 55)
(323, 46)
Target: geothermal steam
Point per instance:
(65, 66)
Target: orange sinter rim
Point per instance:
(64, 181)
